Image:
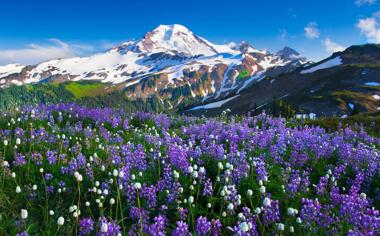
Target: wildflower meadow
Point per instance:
(71, 170)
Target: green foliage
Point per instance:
(80, 90)
(243, 75)
(369, 122)
(280, 107)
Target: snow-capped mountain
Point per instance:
(167, 58)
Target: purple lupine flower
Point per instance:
(24, 233)
(271, 213)
(19, 160)
(159, 226)
(203, 226)
(216, 227)
(86, 226)
(108, 228)
(181, 230)
(51, 157)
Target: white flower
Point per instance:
(195, 174)
(241, 216)
(249, 192)
(34, 187)
(220, 166)
(13, 175)
(257, 210)
(363, 195)
(244, 227)
(18, 141)
(78, 176)
(104, 228)
(115, 172)
(291, 229)
(191, 199)
(298, 220)
(75, 214)
(224, 214)
(18, 189)
(87, 203)
(230, 206)
(61, 221)
(291, 211)
(208, 205)
(41, 170)
(5, 142)
(5, 164)
(190, 169)
(72, 208)
(137, 185)
(280, 226)
(262, 189)
(24, 214)
(112, 201)
(266, 202)
(51, 212)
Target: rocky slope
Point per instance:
(346, 83)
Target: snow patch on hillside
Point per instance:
(372, 84)
(10, 69)
(327, 64)
(214, 104)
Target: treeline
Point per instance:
(276, 108)
(20, 96)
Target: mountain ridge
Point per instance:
(171, 54)
(167, 70)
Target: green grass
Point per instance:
(243, 74)
(80, 90)
(365, 65)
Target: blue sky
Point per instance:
(32, 31)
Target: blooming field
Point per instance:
(69, 170)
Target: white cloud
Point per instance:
(312, 31)
(332, 46)
(35, 53)
(364, 2)
(283, 35)
(369, 27)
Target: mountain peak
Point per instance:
(288, 52)
(175, 39)
(174, 27)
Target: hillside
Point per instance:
(345, 83)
